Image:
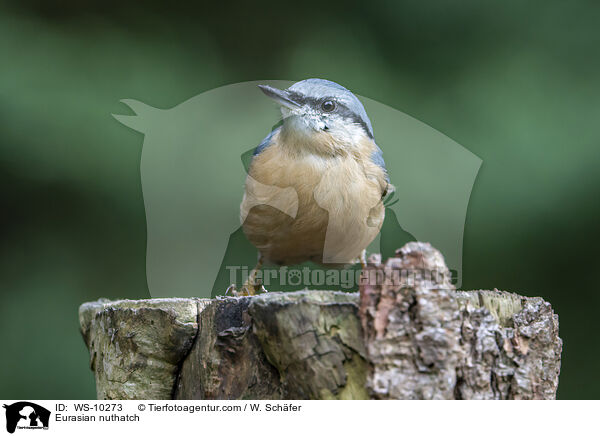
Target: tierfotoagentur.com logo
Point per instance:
(340, 277)
(26, 416)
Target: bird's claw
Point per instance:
(232, 291)
(246, 290)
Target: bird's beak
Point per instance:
(283, 98)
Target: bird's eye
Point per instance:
(328, 105)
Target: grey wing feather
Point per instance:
(265, 142)
(377, 158)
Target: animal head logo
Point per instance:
(26, 415)
(194, 164)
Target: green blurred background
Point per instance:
(517, 83)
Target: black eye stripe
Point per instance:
(299, 98)
(347, 114)
(340, 109)
(317, 102)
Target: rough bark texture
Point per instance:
(408, 338)
(427, 341)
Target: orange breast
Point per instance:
(339, 207)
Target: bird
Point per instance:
(325, 169)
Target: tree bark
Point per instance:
(413, 338)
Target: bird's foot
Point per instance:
(258, 289)
(232, 291)
(363, 259)
(246, 290)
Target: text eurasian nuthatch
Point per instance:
(325, 150)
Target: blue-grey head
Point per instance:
(321, 110)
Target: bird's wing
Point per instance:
(249, 155)
(265, 142)
(377, 159)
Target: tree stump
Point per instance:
(407, 335)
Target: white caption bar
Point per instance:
(297, 417)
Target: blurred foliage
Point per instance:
(514, 82)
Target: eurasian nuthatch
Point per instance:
(325, 150)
